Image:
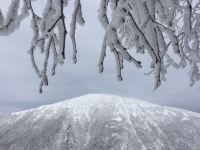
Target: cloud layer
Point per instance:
(19, 84)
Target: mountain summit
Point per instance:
(101, 122)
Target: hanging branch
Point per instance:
(49, 32)
(155, 26)
(165, 29)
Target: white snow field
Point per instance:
(101, 122)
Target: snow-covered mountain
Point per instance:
(101, 122)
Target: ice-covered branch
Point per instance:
(76, 17)
(11, 22)
(49, 31)
(155, 26)
(167, 30)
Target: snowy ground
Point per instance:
(101, 122)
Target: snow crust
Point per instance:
(85, 104)
(99, 121)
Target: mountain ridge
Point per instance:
(101, 122)
(92, 96)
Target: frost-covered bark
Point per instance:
(49, 31)
(156, 27)
(164, 29)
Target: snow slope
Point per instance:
(101, 122)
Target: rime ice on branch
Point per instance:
(162, 28)
(156, 27)
(49, 31)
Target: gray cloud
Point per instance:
(19, 84)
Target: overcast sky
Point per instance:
(19, 83)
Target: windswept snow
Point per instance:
(101, 122)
